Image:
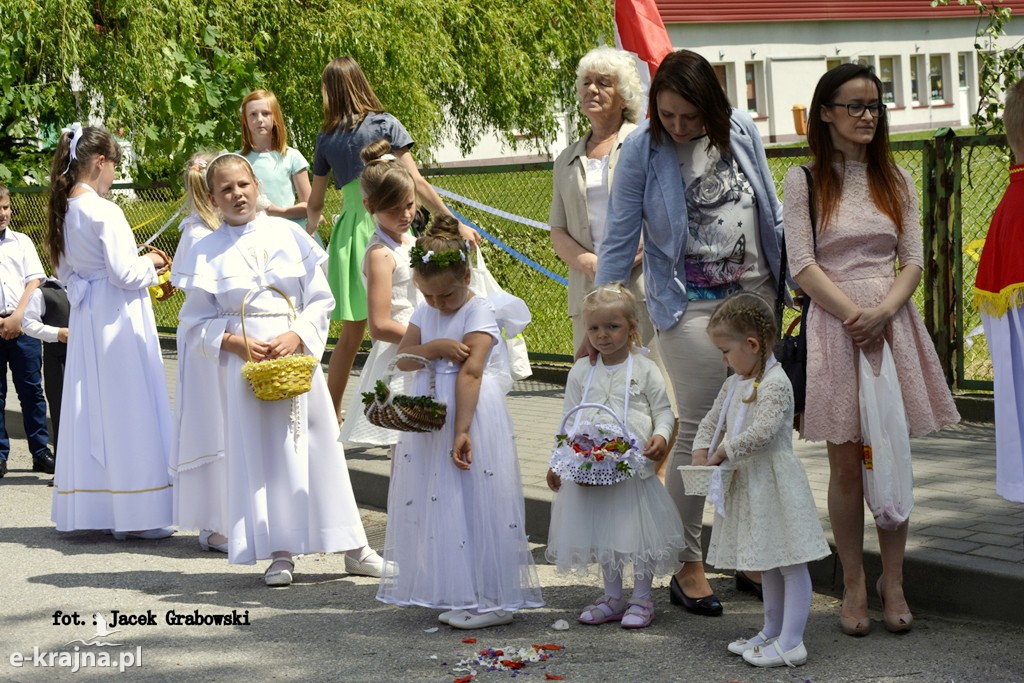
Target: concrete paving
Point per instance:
(964, 570)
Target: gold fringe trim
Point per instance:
(68, 493)
(996, 304)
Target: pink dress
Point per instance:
(858, 252)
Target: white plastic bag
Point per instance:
(483, 283)
(888, 476)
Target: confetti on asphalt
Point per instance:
(560, 625)
(430, 630)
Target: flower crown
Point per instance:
(442, 259)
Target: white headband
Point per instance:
(224, 153)
(76, 135)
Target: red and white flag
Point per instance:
(640, 30)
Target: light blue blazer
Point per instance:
(648, 197)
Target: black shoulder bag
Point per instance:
(791, 350)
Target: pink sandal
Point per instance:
(605, 609)
(639, 614)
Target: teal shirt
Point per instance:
(274, 171)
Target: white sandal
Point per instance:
(281, 577)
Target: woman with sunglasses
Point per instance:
(866, 219)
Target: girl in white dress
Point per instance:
(389, 194)
(768, 522)
(288, 489)
(455, 530)
(633, 523)
(112, 462)
(197, 448)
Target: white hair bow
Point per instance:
(76, 135)
(388, 157)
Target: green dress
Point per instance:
(351, 234)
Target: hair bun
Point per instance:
(375, 150)
(444, 227)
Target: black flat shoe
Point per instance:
(745, 584)
(710, 606)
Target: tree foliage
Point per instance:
(169, 75)
(998, 67)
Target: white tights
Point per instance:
(643, 578)
(787, 604)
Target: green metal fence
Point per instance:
(959, 180)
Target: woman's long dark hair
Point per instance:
(692, 77)
(65, 172)
(888, 188)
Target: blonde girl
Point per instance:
(112, 464)
(353, 118)
(632, 525)
(389, 195)
(455, 535)
(197, 450)
(288, 490)
(282, 170)
(768, 521)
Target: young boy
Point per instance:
(46, 319)
(21, 272)
(999, 298)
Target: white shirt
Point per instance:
(32, 324)
(596, 172)
(19, 265)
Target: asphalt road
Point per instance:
(329, 627)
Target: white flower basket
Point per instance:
(597, 454)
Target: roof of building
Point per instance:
(718, 11)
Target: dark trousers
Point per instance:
(24, 355)
(54, 356)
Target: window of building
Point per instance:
(919, 80)
(865, 61)
(722, 73)
(888, 68)
(936, 78)
(753, 76)
(834, 62)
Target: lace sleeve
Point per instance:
(772, 411)
(909, 247)
(796, 219)
(706, 429)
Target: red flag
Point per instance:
(640, 30)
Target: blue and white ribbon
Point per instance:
(491, 210)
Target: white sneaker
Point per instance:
(484, 620)
(370, 564)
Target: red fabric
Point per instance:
(1002, 257)
(639, 29)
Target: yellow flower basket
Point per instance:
(277, 378)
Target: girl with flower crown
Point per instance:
(632, 523)
(455, 536)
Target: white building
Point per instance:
(769, 54)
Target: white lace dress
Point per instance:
(357, 430)
(770, 517)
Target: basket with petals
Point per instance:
(401, 412)
(163, 289)
(596, 453)
(697, 478)
(277, 378)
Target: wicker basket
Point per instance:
(163, 289)
(593, 465)
(402, 413)
(277, 378)
(697, 478)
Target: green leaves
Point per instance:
(171, 75)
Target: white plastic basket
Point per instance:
(697, 478)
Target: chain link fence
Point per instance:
(504, 200)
